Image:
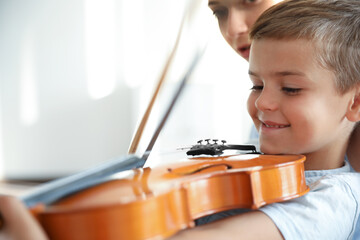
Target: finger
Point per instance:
(18, 223)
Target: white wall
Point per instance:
(76, 76)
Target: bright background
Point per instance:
(77, 75)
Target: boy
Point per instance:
(305, 69)
(235, 21)
(304, 66)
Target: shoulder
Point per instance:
(347, 184)
(329, 211)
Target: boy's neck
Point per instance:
(329, 158)
(353, 150)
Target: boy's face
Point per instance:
(294, 103)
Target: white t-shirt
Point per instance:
(319, 182)
(329, 211)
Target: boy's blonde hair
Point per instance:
(332, 25)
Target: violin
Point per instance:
(155, 203)
(122, 199)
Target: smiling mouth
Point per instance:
(276, 126)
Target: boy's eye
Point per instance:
(257, 88)
(250, 1)
(291, 91)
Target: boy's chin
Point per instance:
(272, 151)
(276, 151)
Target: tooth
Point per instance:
(275, 126)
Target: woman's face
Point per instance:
(236, 17)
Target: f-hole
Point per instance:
(204, 168)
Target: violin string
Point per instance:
(165, 152)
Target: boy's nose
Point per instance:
(266, 102)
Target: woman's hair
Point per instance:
(332, 25)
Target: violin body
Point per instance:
(155, 203)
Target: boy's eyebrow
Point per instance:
(290, 73)
(281, 73)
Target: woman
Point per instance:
(236, 18)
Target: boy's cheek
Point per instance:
(251, 104)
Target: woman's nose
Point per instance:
(236, 24)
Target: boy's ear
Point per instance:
(353, 113)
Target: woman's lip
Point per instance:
(244, 51)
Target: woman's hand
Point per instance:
(17, 221)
